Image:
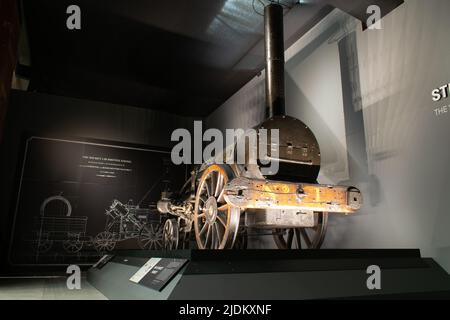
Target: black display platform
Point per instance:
(278, 274)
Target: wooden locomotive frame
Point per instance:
(223, 200)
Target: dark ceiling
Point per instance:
(181, 56)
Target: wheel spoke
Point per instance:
(213, 180)
(297, 238)
(207, 188)
(306, 237)
(223, 207)
(290, 237)
(218, 185)
(203, 228)
(207, 237)
(221, 198)
(222, 221)
(219, 238)
(213, 238)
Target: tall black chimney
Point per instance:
(274, 52)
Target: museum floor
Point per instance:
(47, 288)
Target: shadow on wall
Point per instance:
(354, 121)
(314, 95)
(402, 164)
(330, 147)
(323, 90)
(358, 167)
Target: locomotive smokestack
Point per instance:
(274, 53)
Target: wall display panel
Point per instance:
(78, 200)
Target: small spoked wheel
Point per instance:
(104, 241)
(151, 236)
(302, 238)
(72, 246)
(215, 222)
(171, 234)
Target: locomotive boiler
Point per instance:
(219, 201)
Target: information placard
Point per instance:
(156, 273)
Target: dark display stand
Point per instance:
(278, 274)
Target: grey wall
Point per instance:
(55, 116)
(367, 96)
(407, 144)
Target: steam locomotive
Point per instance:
(219, 201)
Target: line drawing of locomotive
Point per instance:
(124, 221)
(221, 201)
(67, 230)
(128, 221)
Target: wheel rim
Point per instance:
(104, 241)
(151, 237)
(215, 222)
(302, 238)
(170, 234)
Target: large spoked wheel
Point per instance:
(104, 241)
(215, 222)
(151, 236)
(302, 238)
(171, 234)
